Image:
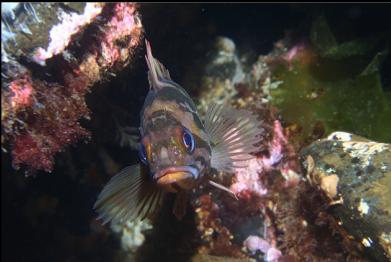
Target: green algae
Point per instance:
(311, 96)
(327, 46)
(338, 89)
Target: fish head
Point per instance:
(176, 156)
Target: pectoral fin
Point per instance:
(129, 195)
(233, 134)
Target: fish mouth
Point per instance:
(176, 174)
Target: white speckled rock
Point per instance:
(355, 174)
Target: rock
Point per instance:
(224, 62)
(355, 174)
(209, 258)
(52, 56)
(221, 71)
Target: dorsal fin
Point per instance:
(157, 74)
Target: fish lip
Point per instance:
(169, 170)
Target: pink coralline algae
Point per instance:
(41, 118)
(254, 194)
(50, 125)
(22, 91)
(300, 51)
(123, 23)
(248, 180)
(255, 243)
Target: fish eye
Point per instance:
(188, 140)
(143, 154)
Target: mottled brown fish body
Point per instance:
(177, 150)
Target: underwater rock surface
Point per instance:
(76, 71)
(355, 174)
(208, 258)
(44, 82)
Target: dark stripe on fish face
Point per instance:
(162, 120)
(178, 95)
(171, 91)
(180, 106)
(172, 84)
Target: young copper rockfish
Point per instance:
(178, 151)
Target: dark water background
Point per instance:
(49, 217)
